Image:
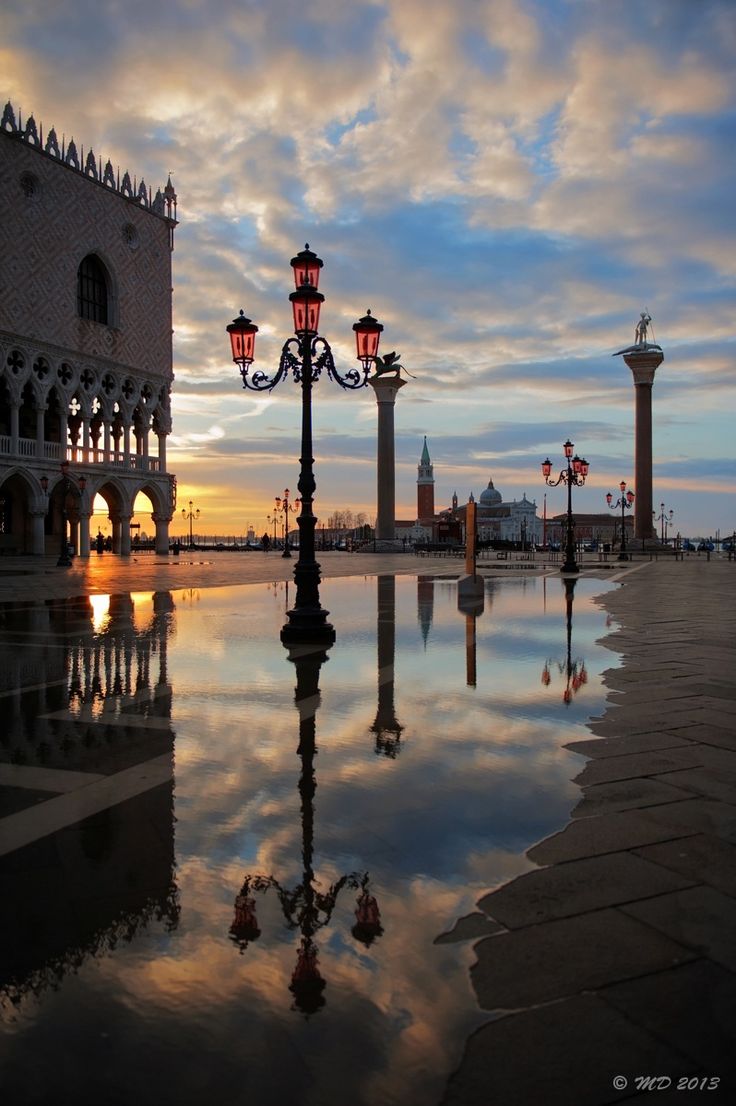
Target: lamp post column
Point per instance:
(307, 616)
(386, 389)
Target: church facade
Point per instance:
(85, 344)
(497, 519)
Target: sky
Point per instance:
(506, 184)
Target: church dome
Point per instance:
(490, 497)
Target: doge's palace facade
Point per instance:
(85, 343)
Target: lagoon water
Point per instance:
(227, 872)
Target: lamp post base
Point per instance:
(308, 628)
(570, 567)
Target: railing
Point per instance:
(52, 451)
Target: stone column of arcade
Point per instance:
(643, 358)
(386, 389)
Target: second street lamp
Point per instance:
(664, 518)
(575, 473)
(626, 502)
(305, 356)
(191, 514)
(285, 506)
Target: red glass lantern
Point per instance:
(609, 499)
(306, 266)
(568, 448)
(367, 336)
(584, 467)
(546, 678)
(306, 303)
(242, 340)
(577, 465)
(546, 468)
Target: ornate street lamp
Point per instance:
(575, 473)
(285, 506)
(191, 514)
(626, 502)
(665, 518)
(305, 356)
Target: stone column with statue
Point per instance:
(643, 358)
(386, 382)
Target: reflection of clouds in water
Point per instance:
(481, 775)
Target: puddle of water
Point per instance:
(258, 916)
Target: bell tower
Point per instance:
(425, 486)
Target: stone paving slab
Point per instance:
(606, 833)
(637, 765)
(628, 794)
(578, 887)
(691, 1006)
(715, 784)
(525, 967)
(693, 816)
(702, 858)
(600, 747)
(525, 1060)
(711, 735)
(699, 918)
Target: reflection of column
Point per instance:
(425, 605)
(386, 726)
(643, 364)
(386, 389)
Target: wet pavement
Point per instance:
(503, 907)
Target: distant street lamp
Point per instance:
(575, 473)
(307, 620)
(269, 519)
(191, 514)
(626, 502)
(664, 518)
(284, 506)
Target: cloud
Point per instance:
(506, 184)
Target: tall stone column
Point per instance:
(643, 358)
(386, 389)
(643, 365)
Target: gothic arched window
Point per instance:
(92, 290)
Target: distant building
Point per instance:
(603, 529)
(85, 343)
(497, 519)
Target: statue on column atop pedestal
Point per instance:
(641, 344)
(389, 364)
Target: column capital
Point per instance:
(386, 387)
(643, 364)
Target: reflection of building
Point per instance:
(85, 342)
(86, 764)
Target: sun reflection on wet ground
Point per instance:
(229, 865)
